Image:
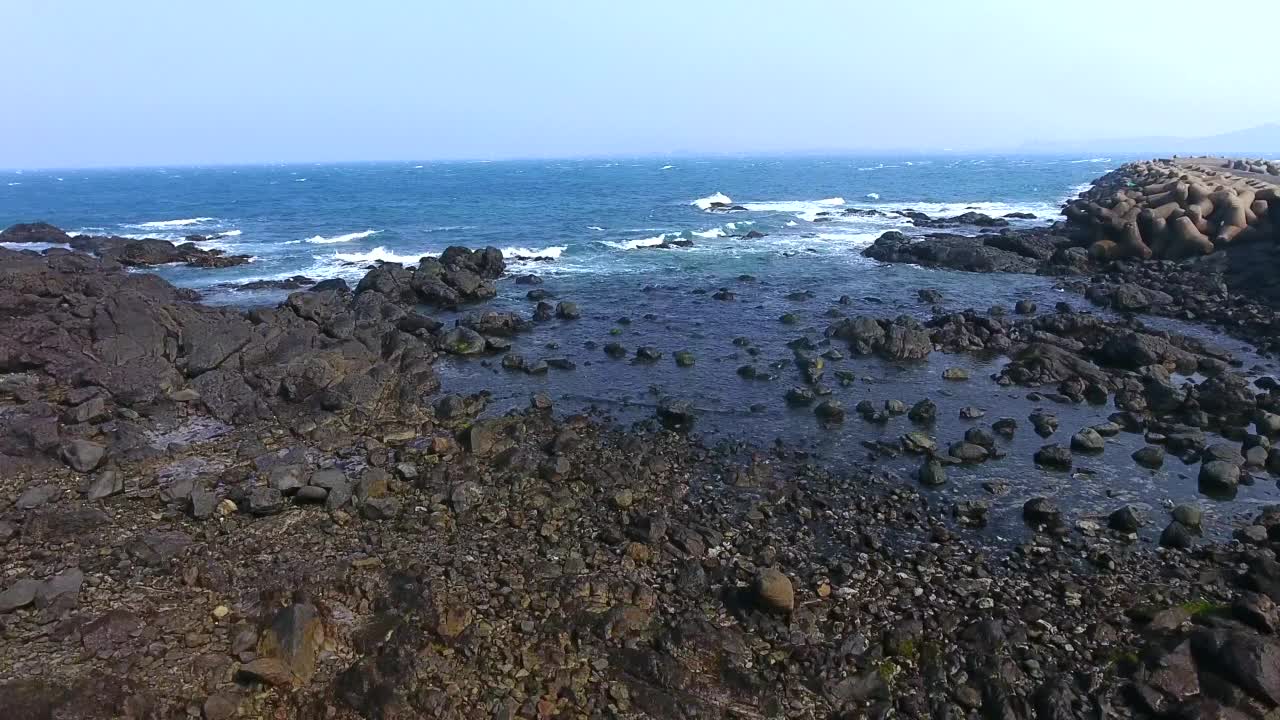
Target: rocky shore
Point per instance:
(130, 252)
(286, 512)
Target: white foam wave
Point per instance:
(381, 254)
(349, 237)
(448, 228)
(14, 183)
(300, 180)
(712, 233)
(1090, 160)
(637, 244)
(853, 239)
(36, 247)
(174, 223)
(1042, 210)
(873, 196)
(795, 206)
(170, 236)
(522, 253)
(597, 228)
(231, 233)
(715, 199)
(668, 167)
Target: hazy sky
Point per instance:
(127, 82)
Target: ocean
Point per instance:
(590, 229)
(588, 218)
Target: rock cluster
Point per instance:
(1173, 209)
(280, 512)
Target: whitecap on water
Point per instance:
(381, 254)
(854, 239)
(349, 237)
(34, 247)
(547, 253)
(174, 223)
(992, 208)
(873, 196)
(715, 199)
(637, 244)
(795, 206)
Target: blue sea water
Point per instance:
(572, 217)
(588, 227)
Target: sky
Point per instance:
(133, 82)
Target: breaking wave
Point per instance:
(381, 254)
(174, 223)
(349, 237)
(642, 242)
(547, 253)
(716, 199)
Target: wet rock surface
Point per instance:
(305, 511)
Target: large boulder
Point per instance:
(1128, 297)
(1133, 350)
(949, 251)
(1041, 363)
(149, 252)
(460, 275)
(37, 232)
(901, 339)
(905, 339)
(863, 334)
(1035, 247)
(99, 339)
(390, 280)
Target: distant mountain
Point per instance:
(1260, 140)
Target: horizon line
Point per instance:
(674, 155)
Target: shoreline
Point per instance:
(288, 511)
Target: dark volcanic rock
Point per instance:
(1177, 536)
(1217, 476)
(1054, 456)
(460, 275)
(1033, 246)
(1151, 456)
(1041, 511)
(38, 232)
(1128, 297)
(949, 251)
(152, 252)
(1125, 520)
